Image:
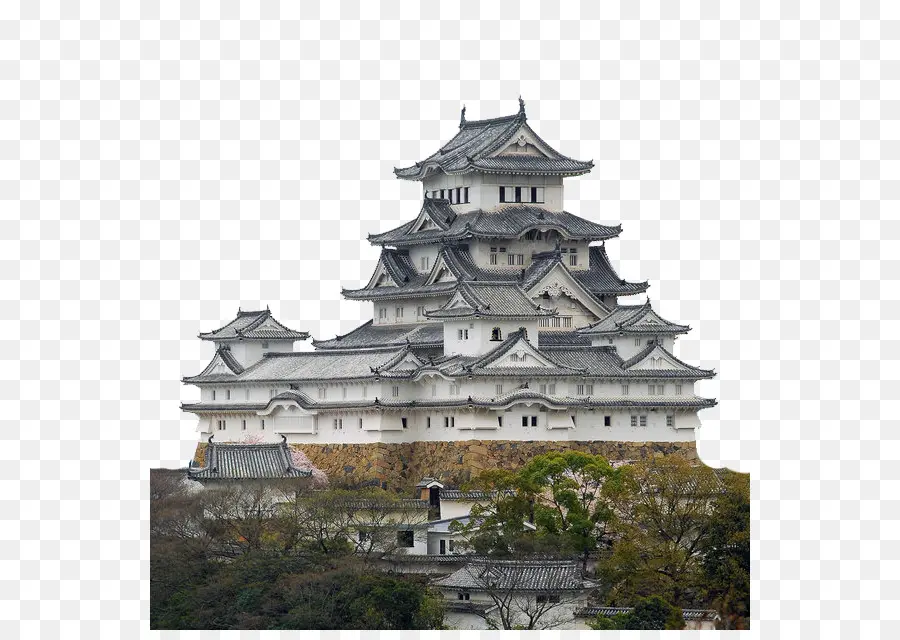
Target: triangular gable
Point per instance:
(441, 271)
(218, 366)
(524, 141)
(558, 281)
(458, 301)
(656, 358)
(523, 354)
(408, 362)
(381, 277)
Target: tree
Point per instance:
(663, 520)
(648, 613)
(726, 553)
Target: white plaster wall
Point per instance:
(456, 508)
(418, 252)
(481, 251)
(484, 189)
(409, 310)
(479, 329)
(248, 352)
(561, 617)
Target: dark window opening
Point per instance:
(443, 547)
(403, 422)
(533, 421)
(518, 194)
(607, 421)
(496, 334)
(405, 538)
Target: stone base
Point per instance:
(399, 466)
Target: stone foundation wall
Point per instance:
(400, 465)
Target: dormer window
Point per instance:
(494, 252)
(496, 334)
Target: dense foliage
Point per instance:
(212, 570)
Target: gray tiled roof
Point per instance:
(318, 365)
(247, 462)
(224, 354)
(491, 300)
(459, 494)
(507, 222)
(368, 335)
(248, 326)
(471, 148)
(605, 362)
(599, 278)
(633, 360)
(518, 575)
(626, 319)
(687, 614)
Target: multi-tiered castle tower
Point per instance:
(496, 316)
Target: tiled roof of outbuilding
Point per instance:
(318, 365)
(471, 150)
(254, 325)
(508, 222)
(518, 575)
(687, 614)
(247, 462)
(223, 354)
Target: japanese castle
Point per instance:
(496, 315)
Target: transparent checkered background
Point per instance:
(162, 165)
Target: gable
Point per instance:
(408, 363)
(381, 278)
(218, 367)
(559, 282)
(522, 354)
(524, 142)
(657, 359)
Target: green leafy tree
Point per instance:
(726, 553)
(648, 613)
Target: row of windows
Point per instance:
(556, 322)
(459, 195)
(399, 313)
(222, 424)
(512, 259)
(454, 389)
(522, 194)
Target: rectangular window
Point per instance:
(524, 421)
(395, 392)
(243, 425)
(420, 312)
(643, 421)
(551, 388)
(466, 195)
(624, 389)
(452, 195)
(633, 421)
(428, 422)
(220, 425)
(503, 194)
(423, 262)
(262, 424)
(533, 421)
(651, 389)
(518, 194)
(670, 421)
(405, 538)
(359, 423)
(343, 392)
(542, 388)
(607, 421)
(433, 390)
(567, 321)
(382, 313)
(462, 595)
(454, 389)
(493, 259)
(547, 597)
(677, 389)
(246, 394)
(637, 342)
(323, 393)
(450, 545)
(273, 393)
(403, 423)
(498, 389)
(338, 423)
(459, 334)
(660, 389)
(573, 257)
(499, 421)
(213, 394)
(449, 421)
(365, 391)
(398, 312)
(579, 390)
(228, 394)
(588, 389)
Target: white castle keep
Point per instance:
(496, 316)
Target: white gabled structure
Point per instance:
(496, 315)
